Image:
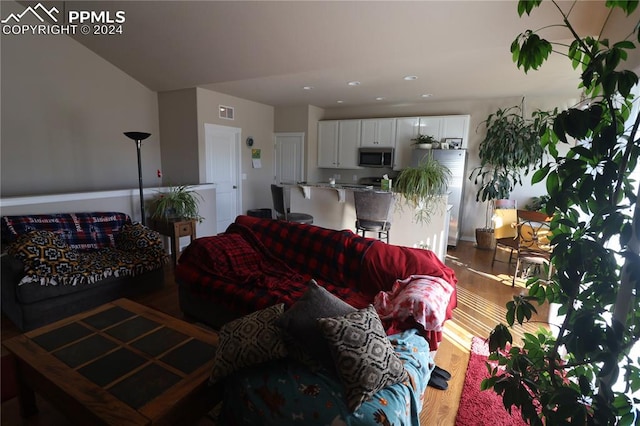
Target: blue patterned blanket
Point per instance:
(288, 393)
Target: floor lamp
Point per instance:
(139, 137)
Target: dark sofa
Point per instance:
(58, 265)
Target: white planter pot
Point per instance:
(423, 145)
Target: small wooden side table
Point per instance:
(175, 229)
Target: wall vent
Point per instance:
(226, 112)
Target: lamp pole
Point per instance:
(138, 137)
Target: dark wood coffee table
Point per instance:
(119, 364)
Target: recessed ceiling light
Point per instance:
(379, 98)
(354, 83)
(340, 102)
(410, 77)
(307, 87)
(426, 95)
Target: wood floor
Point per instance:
(483, 291)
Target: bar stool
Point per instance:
(372, 212)
(282, 211)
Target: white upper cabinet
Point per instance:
(406, 129)
(431, 126)
(455, 126)
(328, 144)
(378, 133)
(348, 143)
(338, 142)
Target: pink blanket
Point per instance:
(384, 264)
(419, 301)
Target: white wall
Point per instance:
(64, 110)
(315, 114)
(255, 120)
(178, 114)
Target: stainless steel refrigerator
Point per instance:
(456, 161)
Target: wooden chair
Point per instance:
(534, 244)
(505, 227)
(372, 212)
(282, 211)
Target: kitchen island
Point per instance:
(332, 206)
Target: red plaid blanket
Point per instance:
(261, 262)
(237, 270)
(326, 254)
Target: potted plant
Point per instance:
(423, 186)
(424, 142)
(508, 152)
(585, 372)
(179, 202)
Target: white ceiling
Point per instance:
(267, 51)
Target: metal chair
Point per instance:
(282, 211)
(534, 244)
(372, 212)
(505, 218)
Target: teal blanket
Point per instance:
(288, 393)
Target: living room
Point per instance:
(65, 107)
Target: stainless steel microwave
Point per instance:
(375, 157)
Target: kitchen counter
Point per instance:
(332, 206)
(340, 188)
(352, 186)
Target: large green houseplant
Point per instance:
(568, 376)
(508, 152)
(423, 186)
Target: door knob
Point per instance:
(235, 187)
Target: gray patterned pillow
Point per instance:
(247, 341)
(364, 357)
(300, 320)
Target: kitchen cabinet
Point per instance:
(455, 126)
(431, 126)
(440, 127)
(348, 143)
(409, 128)
(338, 142)
(378, 133)
(328, 144)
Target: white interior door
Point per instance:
(289, 166)
(222, 151)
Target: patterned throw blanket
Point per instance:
(419, 300)
(80, 248)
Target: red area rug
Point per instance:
(482, 408)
